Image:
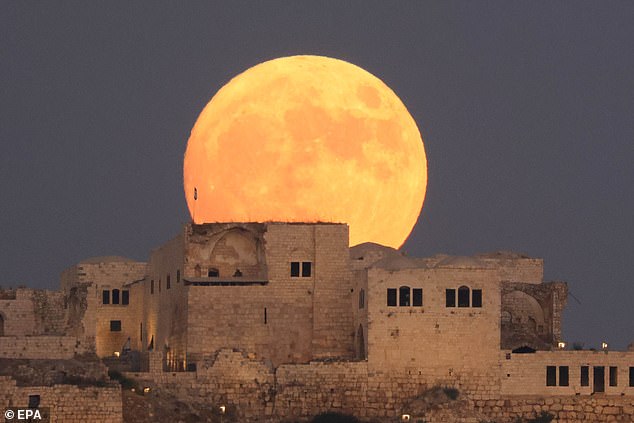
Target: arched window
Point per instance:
(360, 344)
(361, 299)
(404, 296)
(463, 296)
(115, 296)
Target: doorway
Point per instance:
(599, 379)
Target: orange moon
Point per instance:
(308, 139)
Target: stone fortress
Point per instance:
(281, 321)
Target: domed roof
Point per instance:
(399, 263)
(360, 251)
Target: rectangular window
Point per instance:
(294, 269)
(306, 269)
(168, 281)
(614, 371)
(106, 296)
(403, 300)
(178, 276)
(34, 401)
(115, 326)
(563, 376)
(585, 376)
(115, 296)
(551, 376)
(152, 286)
(125, 297)
(631, 376)
(450, 295)
(391, 297)
(476, 298)
(265, 316)
(141, 332)
(417, 297)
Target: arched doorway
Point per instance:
(360, 344)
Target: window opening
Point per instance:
(125, 297)
(141, 332)
(168, 281)
(563, 376)
(265, 316)
(450, 295)
(361, 299)
(585, 376)
(417, 297)
(463, 296)
(403, 296)
(1, 325)
(34, 401)
(294, 269)
(614, 371)
(152, 286)
(391, 297)
(631, 376)
(476, 298)
(213, 273)
(237, 273)
(178, 275)
(306, 269)
(115, 296)
(106, 296)
(115, 326)
(551, 376)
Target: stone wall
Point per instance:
(67, 403)
(39, 347)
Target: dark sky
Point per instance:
(526, 109)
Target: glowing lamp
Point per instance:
(561, 345)
(222, 409)
(117, 354)
(604, 345)
(146, 389)
(308, 139)
(405, 417)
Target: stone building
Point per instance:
(288, 315)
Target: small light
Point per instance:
(117, 353)
(133, 390)
(146, 389)
(405, 417)
(222, 409)
(561, 345)
(604, 345)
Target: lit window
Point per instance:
(115, 326)
(106, 296)
(391, 297)
(417, 297)
(450, 295)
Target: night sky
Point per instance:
(526, 109)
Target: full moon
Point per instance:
(308, 139)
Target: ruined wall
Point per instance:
(39, 347)
(273, 317)
(93, 276)
(31, 312)
(531, 314)
(67, 403)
